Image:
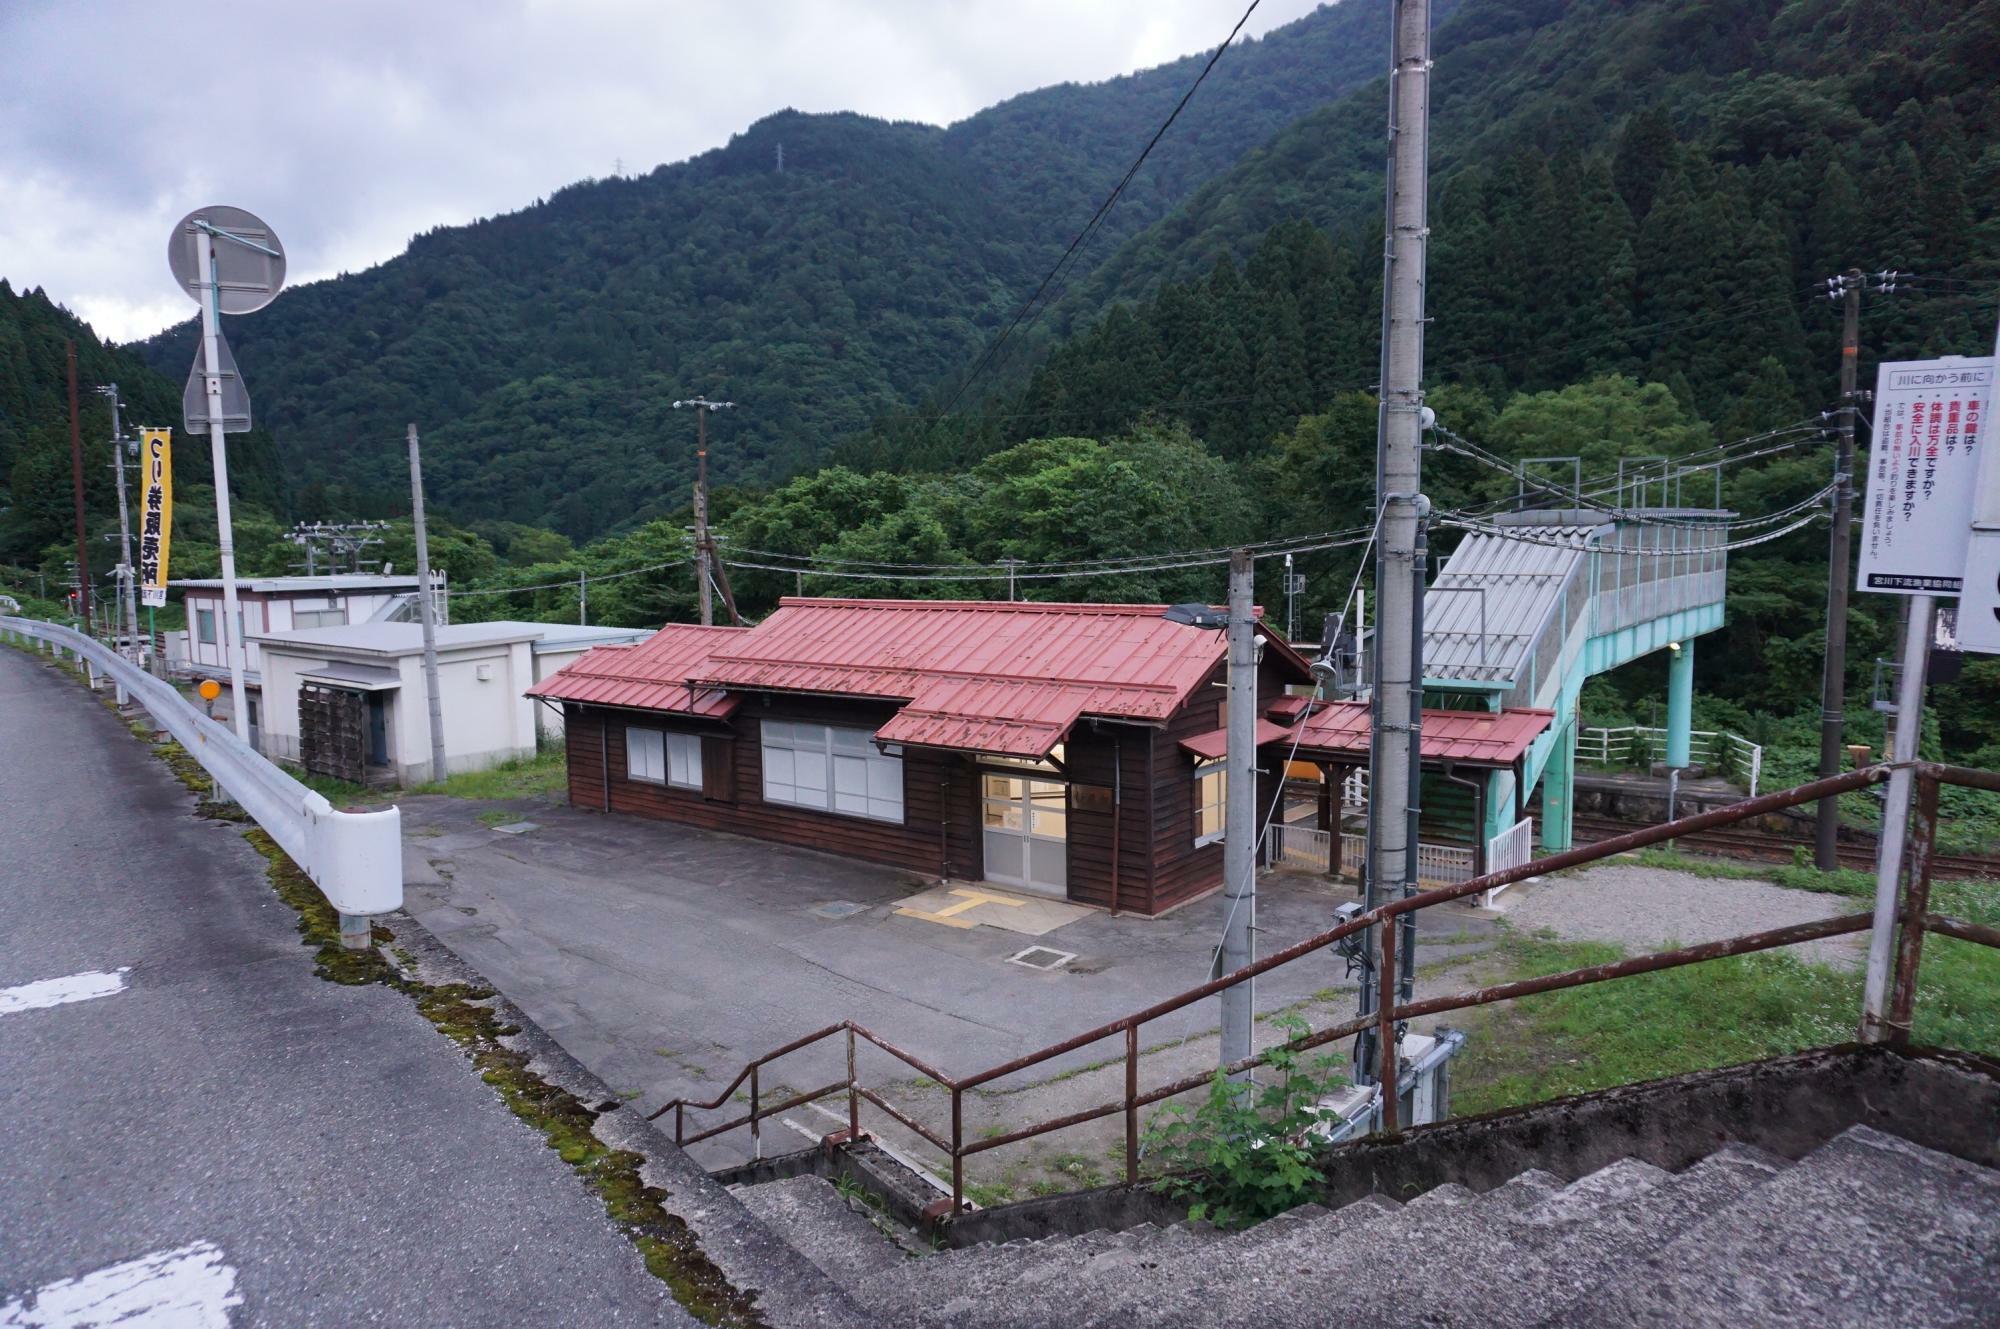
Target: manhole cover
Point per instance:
(838, 909)
(1041, 957)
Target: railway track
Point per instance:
(1765, 846)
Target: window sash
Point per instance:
(684, 761)
(204, 626)
(1211, 802)
(831, 769)
(645, 755)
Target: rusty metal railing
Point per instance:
(1914, 916)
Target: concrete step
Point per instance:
(1112, 1282)
(813, 1219)
(1866, 1230)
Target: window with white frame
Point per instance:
(684, 761)
(645, 755)
(1211, 802)
(661, 758)
(832, 769)
(204, 626)
(320, 618)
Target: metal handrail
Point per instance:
(1389, 1013)
(355, 858)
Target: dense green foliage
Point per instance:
(1634, 205)
(540, 351)
(1249, 1150)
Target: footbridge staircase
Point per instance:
(1531, 604)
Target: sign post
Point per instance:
(228, 262)
(1924, 473)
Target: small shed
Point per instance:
(350, 702)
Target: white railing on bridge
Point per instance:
(355, 858)
(1731, 756)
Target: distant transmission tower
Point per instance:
(781, 159)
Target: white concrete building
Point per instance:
(285, 604)
(366, 682)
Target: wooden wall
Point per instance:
(1159, 865)
(939, 834)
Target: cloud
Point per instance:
(352, 126)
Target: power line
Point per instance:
(1097, 218)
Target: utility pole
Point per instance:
(704, 548)
(127, 589)
(582, 600)
(426, 609)
(1833, 679)
(1239, 825)
(1846, 288)
(76, 475)
(1394, 758)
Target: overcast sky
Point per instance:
(352, 125)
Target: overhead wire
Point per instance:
(1097, 218)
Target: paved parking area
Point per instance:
(663, 957)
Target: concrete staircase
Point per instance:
(1866, 1229)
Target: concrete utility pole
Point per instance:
(704, 548)
(1239, 824)
(1394, 766)
(127, 589)
(76, 475)
(1833, 680)
(427, 610)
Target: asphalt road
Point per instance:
(223, 1138)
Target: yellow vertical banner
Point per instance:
(156, 523)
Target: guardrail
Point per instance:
(1912, 913)
(355, 858)
(1731, 756)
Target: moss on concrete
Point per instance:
(664, 1241)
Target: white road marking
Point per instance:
(57, 991)
(186, 1288)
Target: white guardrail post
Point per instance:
(355, 858)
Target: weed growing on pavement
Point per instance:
(987, 1194)
(664, 1240)
(1246, 1152)
(522, 777)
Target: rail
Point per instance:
(355, 858)
(1914, 915)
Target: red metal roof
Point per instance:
(650, 676)
(1340, 730)
(1214, 745)
(984, 676)
(978, 676)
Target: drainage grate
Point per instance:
(1041, 957)
(838, 909)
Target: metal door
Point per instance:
(1026, 831)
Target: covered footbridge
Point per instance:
(1530, 604)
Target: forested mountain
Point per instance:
(540, 350)
(37, 510)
